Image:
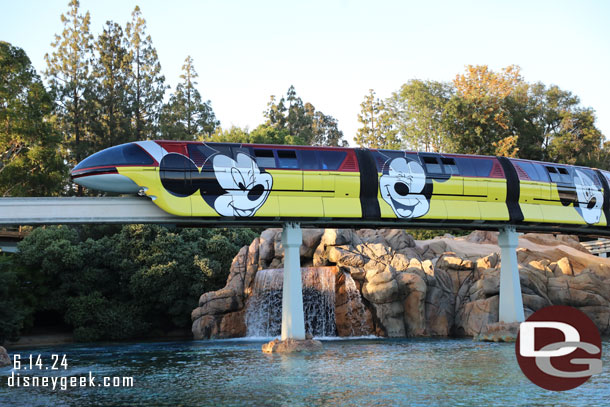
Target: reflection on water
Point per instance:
(360, 372)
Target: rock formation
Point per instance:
(388, 284)
(5, 359)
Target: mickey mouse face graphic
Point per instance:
(401, 187)
(590, 198)
(232, 187)
(246, 186)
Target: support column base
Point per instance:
(292, 346)
(499, 332)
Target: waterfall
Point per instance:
(356, 310)
(264, 307)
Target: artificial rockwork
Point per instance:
(388, 284)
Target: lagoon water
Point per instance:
(355, 372)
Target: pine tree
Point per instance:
(147, 84)
(186, 116)
(70, 81)
(377, 129)
(301, 122)
(112, 69)
(30, 163)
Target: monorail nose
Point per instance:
(100, 170)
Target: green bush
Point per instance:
(111, 282)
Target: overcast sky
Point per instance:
(333, 52)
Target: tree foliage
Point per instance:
(298, 122)
(379, 127)
(417, 111)
(494, 113)
(147, 83)
(111, 283)
(30, 163)
(187, 116)
(111, 123)
(68, 74)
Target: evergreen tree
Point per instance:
(30, 162)
(377, 129)
(186, 116)
(301, 122)
(112, 69)
(147, 83)
(70, 80)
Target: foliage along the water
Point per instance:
(111, 282)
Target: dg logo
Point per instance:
(559, 348)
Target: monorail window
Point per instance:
(264, 158)
(466, 166)
(200, 154)
(449, 166)
(332, 160)
(432, 165)
(384, 157)
(309, 160)
(565, 176)
(531, 171)
(607, 175)
(483, 166)
(553, 174)
(125, 154)
(287, 159)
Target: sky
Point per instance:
(333, 52)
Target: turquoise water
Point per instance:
(365, 372)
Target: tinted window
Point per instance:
(564, 175)
(384, 156)
(553, 174)
(482, 167)
(265, 158)
(466, 166)
(530, 170)
(607, 175)
(309, 160)
(125, 154)
(449, 166)
(542, 174)
(199, 153)
(287, 159)
(432, 165)
(332, 160)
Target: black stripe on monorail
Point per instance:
(369, 184)
(606, 205)
(95, 171)
(513, 190)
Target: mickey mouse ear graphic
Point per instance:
(172, 170)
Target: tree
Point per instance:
(68, 75)
(301, 122)
(418, 113)
(477, 111)
(147, 83)
(377, 129)
(111, 123)
(30, 163)
(119, 283)
(186, 116)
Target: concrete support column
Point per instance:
(511, 303)
(293, 321)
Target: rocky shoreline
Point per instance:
(442, 287)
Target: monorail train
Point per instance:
(351, 186)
